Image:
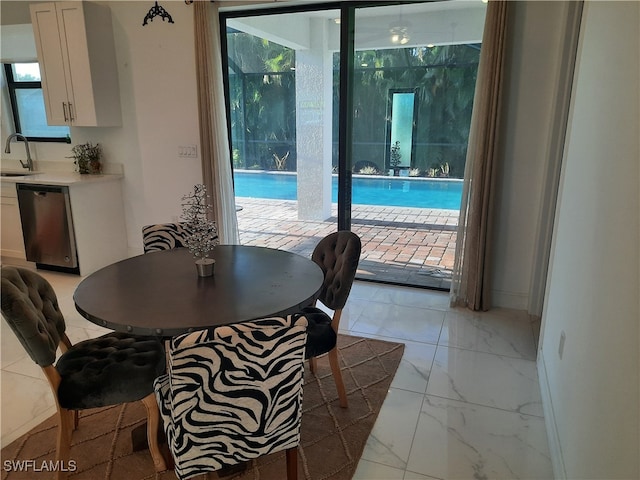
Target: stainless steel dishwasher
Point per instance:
(47, 226)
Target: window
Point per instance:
(27, 104)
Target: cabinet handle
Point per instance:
(71, 119)
(64, 111)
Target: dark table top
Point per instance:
(161, 294)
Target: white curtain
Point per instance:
(470, 285)
(214, 142)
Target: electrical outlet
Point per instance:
(187, 151)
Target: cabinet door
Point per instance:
(52, 65)
(11, 229)
(75, 54)
(76, 51)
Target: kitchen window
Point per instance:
(27, 104)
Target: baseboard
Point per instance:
(15, 260)
(557, 460)
(514, 301)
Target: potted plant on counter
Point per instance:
(204, 234)
(87, 158)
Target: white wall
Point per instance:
(591, 394)
(536, 38)
(156, 68)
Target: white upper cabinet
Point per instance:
(76, 52)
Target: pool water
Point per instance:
(382, 191)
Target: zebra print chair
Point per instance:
(165, 236)
(337, 255)
(234, 393)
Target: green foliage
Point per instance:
(263, 102)
(281, 162)
(237, 161)
(369, 171)
(262, 98)
(441, 171)
(396, 156)
(87, 157)
(444, 79)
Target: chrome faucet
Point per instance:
(7, 149)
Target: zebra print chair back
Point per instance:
(165, 236)
(233, 394)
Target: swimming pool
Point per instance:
(383, 191)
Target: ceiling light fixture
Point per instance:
(400, 33)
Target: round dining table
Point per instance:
(161, 294)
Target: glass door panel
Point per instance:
(280, 70)
(415, 70)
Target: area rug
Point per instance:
(333, 438)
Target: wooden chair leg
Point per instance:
(153, 424)
(63, 446)
(313, 364)
(292, 463)
(337, 376)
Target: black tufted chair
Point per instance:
(112, 369)
(338, 255)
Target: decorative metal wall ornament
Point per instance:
(155, 11)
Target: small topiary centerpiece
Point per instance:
(204, 234)
(87, 158)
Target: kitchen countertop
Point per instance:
(58, 178)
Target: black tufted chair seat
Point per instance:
(321, 337)
(337, 255)
(109, 370)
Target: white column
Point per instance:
(313, 125)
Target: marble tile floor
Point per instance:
(464, 404)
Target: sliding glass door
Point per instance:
(414, 75)
(354, 118)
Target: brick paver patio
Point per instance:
(413, 246)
